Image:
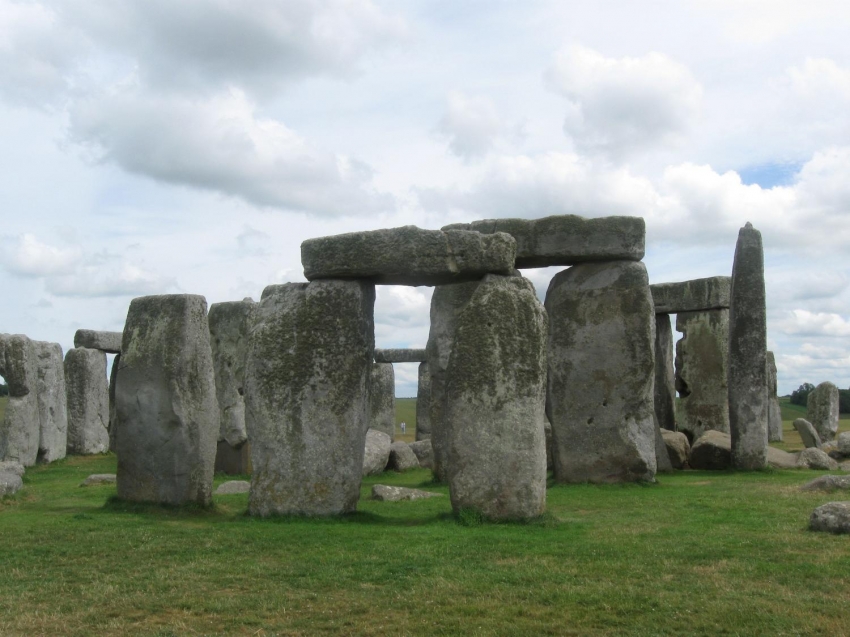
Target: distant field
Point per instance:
(405, 411)
(791, 440)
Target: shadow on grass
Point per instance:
(115, 504)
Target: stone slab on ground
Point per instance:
(808, 434)
(399, 355)
(10, 483)
(697, 295)
(386, 493)
(424, 453)
(712, 451)
(779, 459)
(813, 458)
(828, 484)
(402, 457)
(832, 517)
(376, 452)
(109, 342)
(232, 487)
(678, 448)
(12, 466)
(99, 478)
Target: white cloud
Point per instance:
(111, 278)
(25, 255)
(471, 124)
(805, 323)
(253, 242)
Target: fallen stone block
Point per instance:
(399, 355)
(99, 478)
(424, 453)
(779, 459)
(832, 517)
(386, 493)
(109, 342)
(376, 452)
(807, 432)
(828, 484)
(698, 295)
(402, 457)
(678, 448)
(813, 458)
(232, 487)
(10, 484)
(712, 451)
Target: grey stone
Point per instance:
(822, 410)
(99, 478)
(11, 466)
(781, 459)
(844, 443)
(399, 355)
(665, 384)
(662, 458)
(748, 404)
(601, 373)
(386, 493)
(697, 295)
(233, 460)
(712, 451)
(547, 432)
(307, 396)
(807, 433)
(113, 421)
(52, 402)
(813, 458)
(844, 466)
(832, 517)
(424, 453)
(10, 484)
(20, 428)
(165, 402)
(408, 256)
(568, 239)
(423, 404)
(495, 401)
(87, 393)
(376, 453)
(701, 372)
(774, 412)
(678, 448)
(109, 342)
(402, 457)
(382, 399)
(828, 484)
(232, 487)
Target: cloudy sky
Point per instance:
(164, 146)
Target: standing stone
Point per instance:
(20, 428)
(52, 402)
(662, 458)
(495, 402)
(822, 410)
(678, 448)
(307, 396)
(774, 412)
(402, 457)
(113, 420)
(165, 402)
(601, 373)
(701, 372)
(808, 434)
(88, 401)
(423, 403)
(382, 399)
(376, 452)
(747, 385)
(665, 386)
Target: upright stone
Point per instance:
(87, 392)
(665, 387)
(307, 396)
(52, 402)
(495, 402)
(701, 372)
(113, 420)
(382, 399)
(774, 413)
(166, 407)
(20, 428)
(423, 404)
(748, 404)
(601, 373)
(822, 410)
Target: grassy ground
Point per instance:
(405, 411)
(791, 440)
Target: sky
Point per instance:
(190, 146)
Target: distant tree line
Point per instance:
(800, 396)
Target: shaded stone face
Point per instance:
(109, 342)
(601, 373)
(665, 387)
(20, 428)
(822, 410)
(807, 432)
(697, 295)
(307, 386)
(774, 413)
(382, 399)
(712, 451)
(52, 402)
(87, 394)
(166, 409)
(399, 355)
(423, 403)
(408, 256)
(376, 452)
(113, 420)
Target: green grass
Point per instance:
(405, 410)
(791, 440)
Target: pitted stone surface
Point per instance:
(678, 448)
(807, 433)
(697, 295)
(165, 402)
(423, 404)
(87, 393)
(20, 428)
(774, 413)
(568, 239)
(307, 396)
(402, 457)
(828, 484)
(813, 458)
(382, 399)
(424, 453)
(232, 487)
(832, 517)
(713, 451)
(399, 355)
(781, 459)
(11, 466)
(52, 402)
(662, 458)
(109, 342)
(10, 484)
(408, 256)
(665, 384)
(376, 453)
(601, 373)
(822, 410)
(386, 493)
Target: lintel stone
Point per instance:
(109, 342)
(697, 295)
(399, 355)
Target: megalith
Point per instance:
(87, 394)
(822, 410)
(495, 400)
(109, 342)
(747, 384)
(774, 413)
(52, 402)
(165, 402)
(600, 397)
(665, 386)
(307, 396)
(113, 421)
(20, 428)
(423, 403)
(382, 399)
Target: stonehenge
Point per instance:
(400, 355)
(822, 410)
(52, 402)
(423, 403)
(774, 413)
(20, 429)
(382, 398)
(109, 342)
(87, 393)
(665, 384)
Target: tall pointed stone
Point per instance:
(774, 414)
(665, 387)
(19, 429)
(382, 399)
(52, 402)
(423, 403)
(87, 391)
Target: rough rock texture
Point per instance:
(307, 386)
(382, 399)
(828, 484)
(109, 342)
(113, 421)
(781, 459)
(697, 295)
(822, 410)
(547, 432)
(52, 402)
(662, 458)
(232, 487)
(399, 355)
(423, 404)
(408, 256)
(10, 484)
(812, 458)
(665, 384)
(99, 478)
(402, 457)
(233, 460)
(678, 448)
(774, 413)
(844, 443)
(87, 393)
(424, 453)
(568, 239)
(385, 493)
(713, 450)
(748, 403)
(165, 402)
(701, 372)
(11, 466)
(600, 397)
(832, 517)
(807, 433)
(20, 428)
(376, 452)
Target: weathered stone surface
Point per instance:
(774, 413)
(20, 428)
(307, 396)
(382, 399)
(678, 448)
(813, 458)
(844, 443)
(376, 453)
(113, 420)
(665, 385)
(712, 451)
(99, 478)
(423, 404)
(402, 457)
(11, 466)
(601, 373)
(10, 484)
(165, 402)
(822, 410)
(781, 459)
(386, 493)
(232, 487)
(701, 372)
(109, 342)
(662, 458)
(807, 433)
(408, 256)
(87, 394)
(698, 295)
(230, 324)
(233, 460)
(52, 402)
(844, 466)
(832, 517)
(495, 401)
(828, 484)
(568, 239)
(748, 404)
(547, 432)
(399, 355)
(424, 453)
